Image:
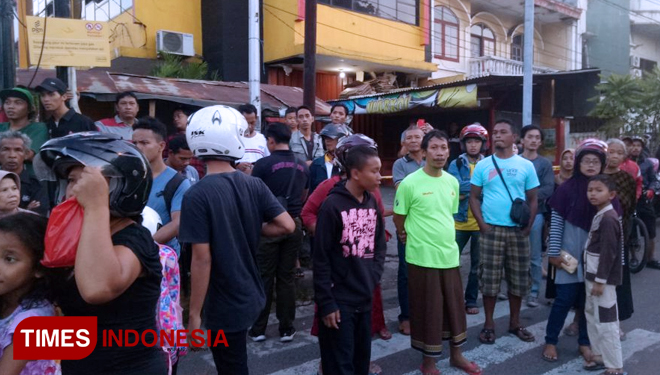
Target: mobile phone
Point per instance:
(420, 123)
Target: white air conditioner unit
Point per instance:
(637, 73)
(175, 43)
(634, 61)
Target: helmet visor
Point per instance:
(62, 161)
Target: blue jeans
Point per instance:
(402, 282)
(536, 247)
(472, 288)
(568, 296)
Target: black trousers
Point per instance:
(347, 350)
(231, 360)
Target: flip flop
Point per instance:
(522, 334)
(470, 369)
(613, 373)
(472, 310)
(385, 334)
(487, 336)
(549, 358)
(594, 366)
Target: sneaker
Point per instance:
(502, 297)
(255, 337)
(532, 301)
(288, 335)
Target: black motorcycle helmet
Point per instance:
(120, 161)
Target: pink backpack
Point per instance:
(169, 312)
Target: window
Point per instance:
(445, 34)
(482, 41)
(517, 48)
(92, 10)
(398, 10)
(647, 66)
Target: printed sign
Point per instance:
(68, 42)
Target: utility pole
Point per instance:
(62, 10)
(7, 62)
(254, 45)
(309, 77)
(528, 61)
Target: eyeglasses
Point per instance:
(590, 162)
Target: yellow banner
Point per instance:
(458, 97)
(68, 42)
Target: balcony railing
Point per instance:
(493, 65)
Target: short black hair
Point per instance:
(153, 124)
(528, 128)
(291, 110)
(303, 107)
(247, 109)
(606, 180)
(505, 121)
(339, 105)
(186, 110)
(279, 132)
(178, 143)
(356, 158)
(435, 133)
(125, 94)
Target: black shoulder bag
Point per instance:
(520, 211)
(284, 201)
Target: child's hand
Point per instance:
(92, 189)
(597, 289)
(332, 320)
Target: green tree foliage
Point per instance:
(630, 105)
(173, 66)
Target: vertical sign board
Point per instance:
(68, 42)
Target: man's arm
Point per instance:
(281, 225)
(464, 186)
(169, 230)
(547, 180)
(400, 224)
(200, 274)
(531, 197)
(475, 206)
(398, 174)
(324, 243)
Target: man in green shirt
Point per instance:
(424, 205)
(18, 104)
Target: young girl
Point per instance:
(24, 288)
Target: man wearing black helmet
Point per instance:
(650, 186)
(324, 166)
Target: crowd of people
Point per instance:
(240, 211)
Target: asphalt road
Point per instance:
(641, 349)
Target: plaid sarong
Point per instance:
(504, 248)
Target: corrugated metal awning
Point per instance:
(103, 86)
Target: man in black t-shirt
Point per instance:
(64, 121)
(222, 216)
(288, 179)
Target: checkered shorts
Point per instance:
(504, 248)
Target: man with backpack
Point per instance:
(168, 187)
(288, 179)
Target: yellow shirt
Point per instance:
(471, 223)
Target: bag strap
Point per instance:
(293, 178)
(170, 189)
(501, 177)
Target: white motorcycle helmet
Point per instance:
(217, 132)
(151, 220)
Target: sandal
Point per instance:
(299, 273)
(374, 369)
(487, 336)
(613, 373)
(522, 333)
(594, 366)
(471, 369)
(385, 334)
(472, 310)
(549, 358)
(435, 371)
